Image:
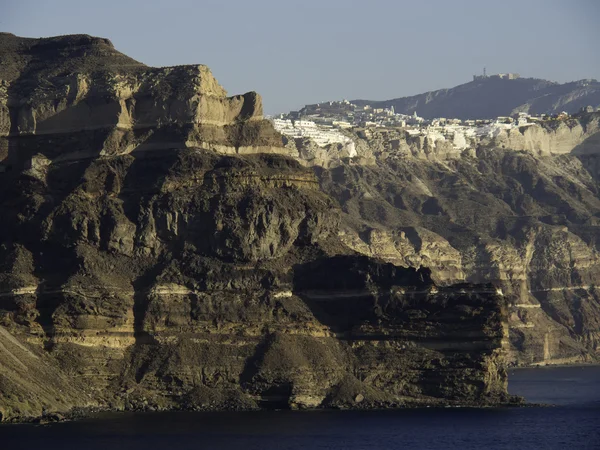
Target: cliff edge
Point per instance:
(58, 92)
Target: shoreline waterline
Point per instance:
(573, 421)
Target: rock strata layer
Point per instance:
(524, 219)
(161, 250)
(75, 97)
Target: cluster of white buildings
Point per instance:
(321, 135)
(461, 134)
(502, 76)
(343, 114)
(325, 123)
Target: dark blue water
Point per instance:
(574, 423)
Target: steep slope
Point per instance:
(160, 249)
(60, 92)
(493, 97)
(524, 221)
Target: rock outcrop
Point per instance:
(160, 250)
(76, 97)
(526, 222)
(577, 135)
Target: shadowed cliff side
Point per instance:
(526, 222)
(158, 253)
(195, 280)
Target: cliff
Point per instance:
(488, 98)
(578, 135)
(160, 250)
(58, 92)
(523, 215)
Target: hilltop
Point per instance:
(489, 97)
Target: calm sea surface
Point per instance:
(573, 423)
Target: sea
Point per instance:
(568, 419)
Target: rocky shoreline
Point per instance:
(90, 413)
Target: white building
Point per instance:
(320, 135)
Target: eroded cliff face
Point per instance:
(580, 136)
(76, 97)
(154, 255)
(196, 280)
(525, 222)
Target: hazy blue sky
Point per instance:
(305, 51)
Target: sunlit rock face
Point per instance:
(577, 135)
(160, 250)
(73, 97)
(580, 136)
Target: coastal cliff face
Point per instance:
(579, 136)
(526, 222)
(517, 206)
(159, 249)
(60, 93)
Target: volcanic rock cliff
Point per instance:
(76, 97)
(519, 209)
(517, 206)
(159, 250)
(577, 135)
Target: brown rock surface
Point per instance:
(528, 222)
(155, 253)
(62, 92)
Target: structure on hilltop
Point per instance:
(502, 76)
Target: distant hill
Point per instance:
(492, 97)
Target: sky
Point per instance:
(307, 51)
